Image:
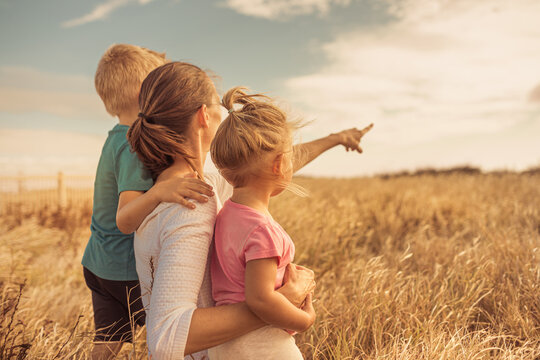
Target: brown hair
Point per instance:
(170, 96)
(248, 133)
(120, 72)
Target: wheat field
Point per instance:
(408, 267)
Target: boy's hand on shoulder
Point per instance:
(351, 138)
(179, 189)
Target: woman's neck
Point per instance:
(182, 167)
(256, 195)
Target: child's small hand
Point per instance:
(181, 188)
(298, 281)
(351, 138)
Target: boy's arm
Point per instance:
(135, 206)
(306, 152)
(270, 305)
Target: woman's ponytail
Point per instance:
(156, 145)
(169, 97)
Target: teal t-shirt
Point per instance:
(109, 253)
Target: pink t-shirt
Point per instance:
(243, 234)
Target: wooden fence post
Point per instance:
(20, 183)
(62, 194)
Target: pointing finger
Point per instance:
(366, 129)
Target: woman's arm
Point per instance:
(217, 325)
(232, 321)
(306, 152)
(270, 305)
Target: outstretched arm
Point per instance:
(306, 152)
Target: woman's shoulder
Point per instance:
(173, 214)
(221, 187)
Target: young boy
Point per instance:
(122, 181)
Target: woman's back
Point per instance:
(171, 250)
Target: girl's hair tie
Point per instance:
(231, 110)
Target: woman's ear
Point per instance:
(277, 165)
(202, 116)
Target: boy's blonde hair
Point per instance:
(249, 133)
(120, 73)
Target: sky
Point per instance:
(446, 82)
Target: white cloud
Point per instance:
(28, 90)
(442, 70)
(101, 12)
(277, 9)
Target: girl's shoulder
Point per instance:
(240, 221)
(239, 213)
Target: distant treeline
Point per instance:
(458, 170)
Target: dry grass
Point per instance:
(426, 267)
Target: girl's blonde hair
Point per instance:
(248, 133)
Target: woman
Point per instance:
(180, 113)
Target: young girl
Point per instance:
(253, 151)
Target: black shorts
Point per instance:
(112, 310)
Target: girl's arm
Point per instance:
(135, 206)
(270, 305)
(231, 321)
(306, 152)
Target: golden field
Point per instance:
(408, 267)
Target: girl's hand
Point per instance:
(298, 282)
(181, 188)
(351, 138)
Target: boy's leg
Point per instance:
(113, 317)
